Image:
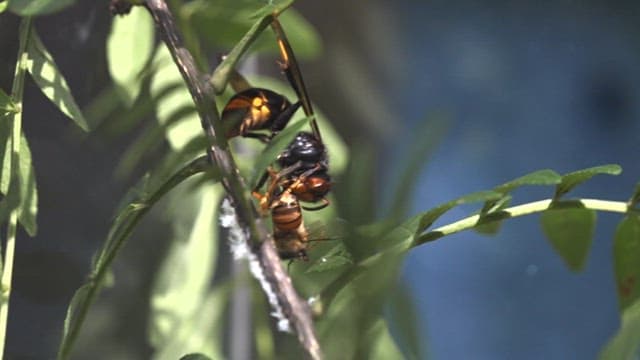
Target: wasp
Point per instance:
(306, 154)
(257, 109)
(304, 172)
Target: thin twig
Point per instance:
(294, 308)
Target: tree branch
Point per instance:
(295, 309)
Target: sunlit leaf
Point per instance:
(12, 200)
(5, 154)
(3, 6)
(625, 344)
(275, 147)
(383, 345)
(573, 179)
(182, 282)
(45, 73)
(196, 356)
(121, 229)
(28, 190)
(18, 186)
(37, 7)
(187, 127)
(203, 331)
(6, 104)
(626, 258)
(129, 47)
(570, 232)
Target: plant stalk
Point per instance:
(17, 91)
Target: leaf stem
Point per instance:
(520, 210)
(17, 91)
(467, 223)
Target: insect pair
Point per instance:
(302, 168)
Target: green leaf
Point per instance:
(28, 190)
(121, 229)
(626, 259)
(625, 344)
(401, 238)
(76, 311)
(6, 104)
(274, 7)
(45, 73)
(202, 331)
(426, 219)
(422, 143)
(129, 47)
(5, 154)
(182, 129)
(37, 7)
(21, 192)
(635, 198)
(403, 321)
(337, 257)
(230, 20)
(492, 228)
(12, 200)
(570, 232)
(195, 356)
(429, 217)
(3, 6)
(181, 285)
(573, 179)
(221, 74)
(275, 147)
(540, 177)
(383, 345)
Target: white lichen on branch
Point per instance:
(240, 249)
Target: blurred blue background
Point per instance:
(527, 86)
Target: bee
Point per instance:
(281, 200)
(292, 237)
(257, 109)
(289, 232)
